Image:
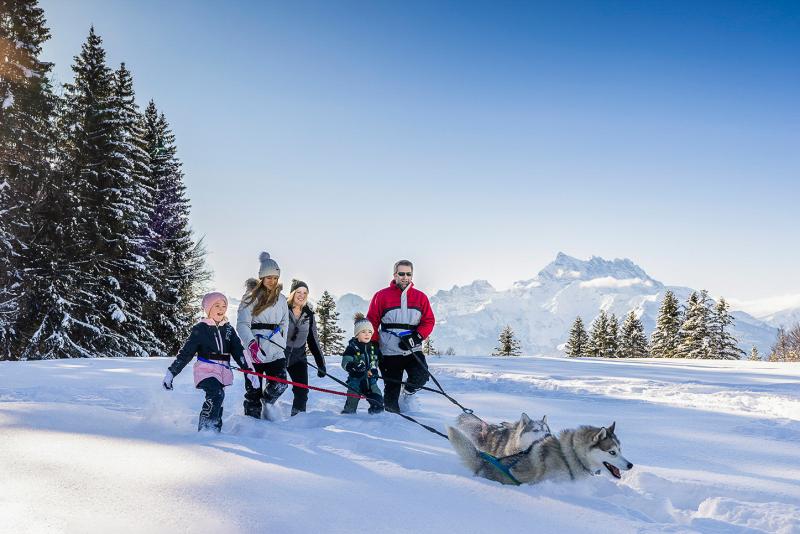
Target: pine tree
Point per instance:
(27, 147)
(508, 345)
(330, 335)
(724, 346)
(177, 263)
(633, 342)
(97, 162)
(450, 351)
(134, 207)
(578, 342)
(754, 355)
(666, 337)
(612, 337)
(598, 336)
(695, 331)
(428, 349)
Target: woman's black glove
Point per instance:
(321, 371)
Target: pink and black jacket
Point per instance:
(212, 342)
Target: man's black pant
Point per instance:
(392, 368)
(270, 392)
(298, 372)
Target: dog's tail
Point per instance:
(466, 449)
(469, 424)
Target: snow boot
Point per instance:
(350, 405)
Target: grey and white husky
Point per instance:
(573, 454)
(504, 438)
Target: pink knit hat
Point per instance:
(210, 298)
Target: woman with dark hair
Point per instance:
(302, 332)
(262, 323)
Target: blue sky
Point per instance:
(476, 138)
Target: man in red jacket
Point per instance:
(402, 318)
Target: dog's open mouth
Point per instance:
(613, 470)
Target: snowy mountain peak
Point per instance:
(478, 287)
(565, 268)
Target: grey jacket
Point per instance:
(303, 331)
(277, 314)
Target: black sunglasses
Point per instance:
(403, 274)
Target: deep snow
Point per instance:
(98, 446)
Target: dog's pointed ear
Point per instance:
(524, 419)
(600, 436)
(611, 428)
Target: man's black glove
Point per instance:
(409, 341)
(358, 368)
(321, 371)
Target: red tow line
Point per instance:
(283, 381)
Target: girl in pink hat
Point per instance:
(214, 339)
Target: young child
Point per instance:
(360, 360)
(213, 338)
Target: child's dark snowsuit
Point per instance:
(360, 360)
(216, 343)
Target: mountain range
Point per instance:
(542, 309)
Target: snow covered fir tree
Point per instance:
(702, 331)
(331, 336)
(91, 265)
(633, 342)
(666, 336)
(507, 344)
(428, 349)
(603, 337)
(578, 342)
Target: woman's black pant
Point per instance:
(298, 372)
(269, 392)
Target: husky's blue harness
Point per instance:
(506, 470)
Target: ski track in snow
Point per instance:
(96, 445)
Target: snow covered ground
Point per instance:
(98, 446)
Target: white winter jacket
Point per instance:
(249, 326)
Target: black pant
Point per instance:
(211, 413)
(270, 392)
(392, 368)
(298, 372)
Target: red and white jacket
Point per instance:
(393, 311)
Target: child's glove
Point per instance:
(253, 381)
(253, 348)
(167, 382)
(321, 371)
(357, 368)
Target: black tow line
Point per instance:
(404, 416)
(441, 389)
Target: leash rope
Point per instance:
(441, 390)
(281, 380)
(382, 405)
